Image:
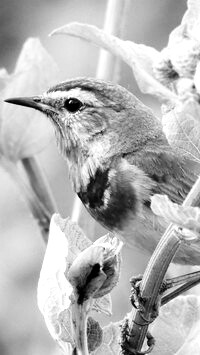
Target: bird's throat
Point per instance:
(82, 168)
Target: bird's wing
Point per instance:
(172, 174)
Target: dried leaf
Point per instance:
(25, 132)
(177, 328)
(185, 216)
(181, 126)
(138, 56)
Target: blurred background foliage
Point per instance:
(23, 331)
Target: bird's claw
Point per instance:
(125, 343)
(139, 302)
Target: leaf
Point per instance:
(54, 290)
(181, 126)
(177, 328)
(138, 56)
(66, 242)
(190, 24)
(24, 131)
(185, 216)
(77, 241)
(94, 334)
(110, 340)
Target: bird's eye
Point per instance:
(73, 105)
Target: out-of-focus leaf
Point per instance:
(24, 131)
(110, 340)
(54, 289)
(181, 56)
(181, 126)
(184, 216)
(138, 56)
(177, 328)
(190, 24)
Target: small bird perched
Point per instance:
(118, 158)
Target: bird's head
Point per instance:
(94, 121)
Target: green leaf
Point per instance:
(25, 132)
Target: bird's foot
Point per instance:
(139, 302)
(125, 341)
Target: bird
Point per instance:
(118, 157)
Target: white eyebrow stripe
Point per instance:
(82, 95)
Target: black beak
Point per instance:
(33, 102)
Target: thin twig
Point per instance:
(179, 290)
(154, 275)
(80, 322)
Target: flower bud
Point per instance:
(95, 271)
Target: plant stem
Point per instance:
(108, 64)
(81, 329)
(195, 280)
(154, 275)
